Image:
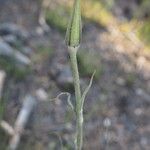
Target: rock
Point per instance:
(16, 43)
(10, 39)
(26, 50)
(140, 92)
(13, 29)
(6, 50)
(120, 81)
(63, 76)
(107, 122)
(138, 111)
(41, 94)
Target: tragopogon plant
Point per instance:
(73, 38)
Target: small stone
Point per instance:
(139, 92)
(69, 126)
(63, 76)
(120, 81)
(7, 50)
(107, 122)
(13, 29)
(10, 39)
(26, 50)
(103, 97)
(144, 141)
(138, 111)
(41, 94)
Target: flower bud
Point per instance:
(73, 34)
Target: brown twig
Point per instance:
(21, 121)
(2, 79)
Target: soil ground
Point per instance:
(117, 107)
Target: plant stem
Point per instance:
(78, 108)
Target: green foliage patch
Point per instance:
(88, 62)
(13, 69)
(3, 140)
(57, 18)
(43, 52)
(144, 32)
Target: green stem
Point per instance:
(79, 109)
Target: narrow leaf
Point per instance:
(86, 90)
(68, 99)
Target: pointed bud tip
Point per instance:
(73, 34)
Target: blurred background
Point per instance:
(34, 69)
